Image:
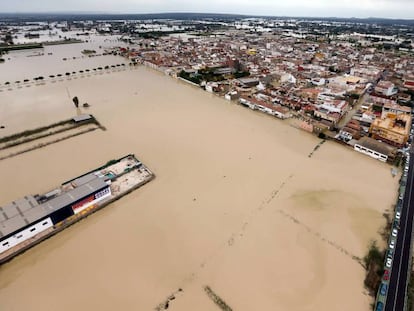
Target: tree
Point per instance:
(76, 101)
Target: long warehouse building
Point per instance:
(25, 218)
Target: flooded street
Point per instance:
(237, 204)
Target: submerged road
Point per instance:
(400, 270)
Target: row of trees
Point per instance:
(67, 74)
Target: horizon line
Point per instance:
(205, 13)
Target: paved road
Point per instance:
(400, 267)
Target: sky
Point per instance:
(310, 8)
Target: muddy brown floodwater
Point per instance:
(237, 204)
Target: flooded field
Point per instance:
(57, 59)
(237, 204)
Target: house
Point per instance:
(338, 106)
(386, 88)
(352, 130)
(324, 114)
(212, 87)
(409, 83)
(232, 95)
(274, 110)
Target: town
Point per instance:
(351, 82)
(346, 81)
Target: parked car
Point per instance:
(383, 289)
(398, 215)
(380, 306)
(388, 263)
(392, 244)
(394, 232)
(386, 275)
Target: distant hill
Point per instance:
(36, 17)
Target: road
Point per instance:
(400, 270)
(351, 113)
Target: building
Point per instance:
(375, 149)
(393, 108)
(232, 95)
(386, 88)
(409, 83)
(274, 110)
(82, 118)
(338, 106)
(352, 130)
(324, 114)
(25, 218)
(248, 82)
(318, 81)
(393, 129)
(370, 73)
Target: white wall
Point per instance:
(25, 234)
(371, 153)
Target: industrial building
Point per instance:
(375, 149)
(25, 218)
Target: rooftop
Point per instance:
(82, 117)
(395, 106)
(27, 210)
(375, 145)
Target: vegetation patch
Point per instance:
(373, 263)
(216, 299)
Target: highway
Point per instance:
(400, 270)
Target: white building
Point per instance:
(287, 78)
(386, 88)
(374, 149)
(318, 81)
